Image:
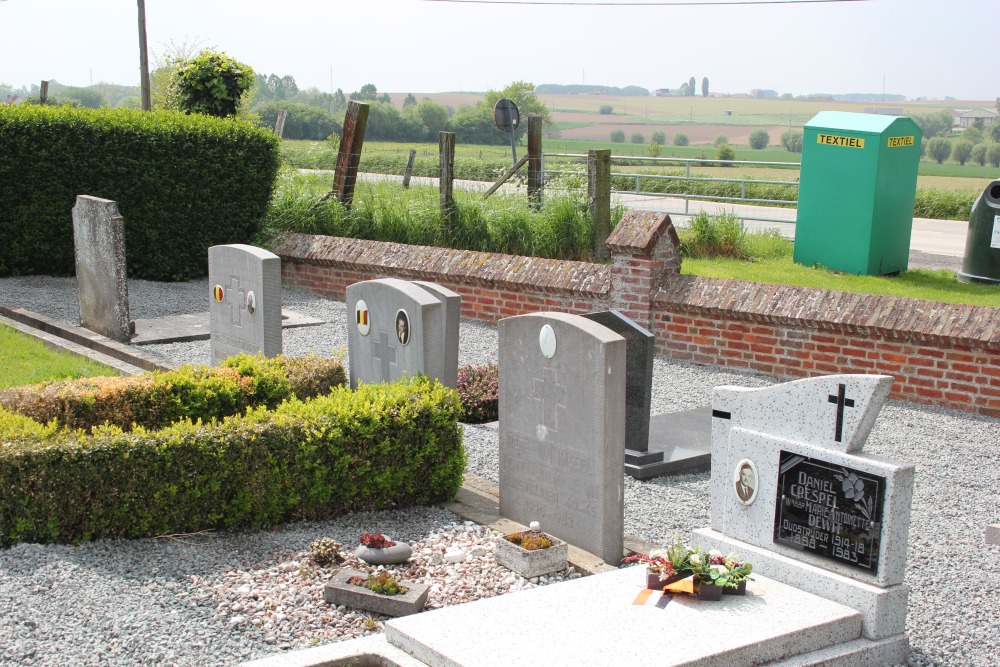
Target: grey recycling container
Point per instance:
(982, 244)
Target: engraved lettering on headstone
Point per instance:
(841, 400)
(384, 353)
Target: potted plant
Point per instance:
(377, 549)
(665, 566)
(531, 553)
(379, 592)
(712, 573)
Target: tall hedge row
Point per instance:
(182, 183)
(382, 446)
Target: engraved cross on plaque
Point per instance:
(552, 397)
(841, 400)
(384, 353)
(236, 308)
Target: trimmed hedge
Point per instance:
(382, 446)
(182, 183)
(155, 400)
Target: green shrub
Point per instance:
(939, 149)
(638, 138)
(212, 83)
(961, 151)
(382, 446)
(681, 139)
(659, 137)
(478, 389)
(979, 154)
(759, 139)
(993, 153)
(154, 400)
(301, 120)
(715, 236)
(720, 139)
(618, 136)
(792, 140)
(606, 109)
(182, 183)
(725, 154)
(653, 149)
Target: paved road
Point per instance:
(933, 243)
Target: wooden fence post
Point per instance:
(446, 157)
(349, 155)
(409, 168)
(535, 161)
(43, 92)
(599, 194)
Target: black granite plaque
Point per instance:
(829, 510)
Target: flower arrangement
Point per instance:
(375, 541)
(382, 583)
(679, 561)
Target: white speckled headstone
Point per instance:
(562, 429)
(101, 276)
(815, 497)
(397, 327)
(244, 303)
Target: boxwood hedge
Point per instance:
(182, 183)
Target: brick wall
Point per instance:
(940, 354)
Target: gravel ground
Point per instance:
(221, 598)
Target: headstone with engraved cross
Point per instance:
(794, 493)
(396, 328)
(562, 429)
(245, 301)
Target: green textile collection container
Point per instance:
(856, 191)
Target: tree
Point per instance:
(993, 154)
(725, 154)
(704, 86)
(410, 100)
(939, 149)
(692, 87)
(792, 141)
(653, 150)
(88, 97)
(759, 139)
(979, 154)
(302, 121)
(368, 93)
(212, 83)
(475, 125)
(961, 151)
(618, 136)
(934, 124)
(659, 137)
(720, 139)
(685, 89)
(637, 138)
(973, 134)
(995, 131)
(606, 110)
(432, 115)
(680, 139)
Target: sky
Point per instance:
(916, 48)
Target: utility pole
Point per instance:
(147, 104)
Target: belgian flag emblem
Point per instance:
(220, 294)
(361, 314)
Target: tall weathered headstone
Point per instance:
(396, 328)
(245, 301)
(794, 494)
(101, 275)
(562, 429)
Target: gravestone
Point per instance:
(244, 306)
(794, 494)
(396, 328)
(562, 429)
(661, 445)
(101, 275)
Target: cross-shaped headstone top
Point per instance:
(833, 411)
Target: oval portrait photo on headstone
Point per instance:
(251, 303)
(745, 481)
(402, 327)
(547, 341)
(362, 314)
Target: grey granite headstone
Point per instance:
(562, 429)
(396, 328)
(245, 301)
(101, 275)
(793, 492)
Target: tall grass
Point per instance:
(723, 236)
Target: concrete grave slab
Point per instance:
(562, 429)
(101, 275)
(993, 533)
(397, 328)
(196, 326)
(682, 439)
(245, 301)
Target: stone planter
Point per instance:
(398, 553)
(530, 564)
(653, 579)
(339, 592)
(709, 591)
(741, 589)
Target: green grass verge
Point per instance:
(26, 360)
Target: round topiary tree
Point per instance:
(939, 149)
(961, 151)
(720, 139)
(792, 141)
(606, 109)
(618, 136)
(212, 83)
(759, 139)
(658, 137)
(680, 139)
(637, 138)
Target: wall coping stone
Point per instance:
(436, 264)
(638, 233)
(891, 317)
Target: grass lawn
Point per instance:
(25, 360)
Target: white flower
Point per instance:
(658, 553)
(696, 559)
(719, 568)
(715, 553)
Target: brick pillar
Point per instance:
(644, 250)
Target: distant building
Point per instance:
(885, 111)
(968, 117)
